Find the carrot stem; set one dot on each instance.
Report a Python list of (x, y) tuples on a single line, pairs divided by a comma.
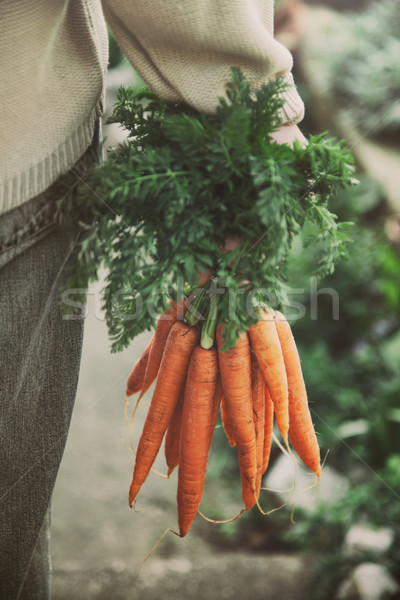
[(208, 329), (195, 311)]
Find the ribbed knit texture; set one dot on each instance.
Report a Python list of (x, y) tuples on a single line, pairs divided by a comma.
[(53, 58), (53, 61), (184, 49)]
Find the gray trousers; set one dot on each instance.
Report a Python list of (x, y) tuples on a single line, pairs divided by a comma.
[(39, 365)]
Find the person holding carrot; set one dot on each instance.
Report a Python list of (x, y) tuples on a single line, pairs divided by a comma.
[(53, 67)]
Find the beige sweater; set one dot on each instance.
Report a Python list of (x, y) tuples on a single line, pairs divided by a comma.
[(53, 63)]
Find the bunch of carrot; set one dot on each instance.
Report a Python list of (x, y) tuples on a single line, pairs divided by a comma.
[(259, 378)]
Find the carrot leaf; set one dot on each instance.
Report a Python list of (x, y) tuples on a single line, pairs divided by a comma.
[(157, 212)]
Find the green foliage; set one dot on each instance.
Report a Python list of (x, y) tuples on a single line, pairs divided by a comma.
[(364, 69), (355, 389), (164, 202), (352, 371), (115, 56), (374, 501), (363, 503)]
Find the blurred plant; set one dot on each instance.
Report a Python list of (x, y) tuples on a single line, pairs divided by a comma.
[(364, 67), (374, 502), (355, 389), (115, 55), (352, 371)]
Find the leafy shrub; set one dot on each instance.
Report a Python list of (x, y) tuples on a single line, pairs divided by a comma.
[(115, 55), (351, 364), (352, 371), (364, 67), (375, 502)]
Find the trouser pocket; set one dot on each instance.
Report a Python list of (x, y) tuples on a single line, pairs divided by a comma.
[(27, 224)]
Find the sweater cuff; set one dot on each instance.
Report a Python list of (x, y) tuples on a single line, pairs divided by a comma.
[(292, 112)]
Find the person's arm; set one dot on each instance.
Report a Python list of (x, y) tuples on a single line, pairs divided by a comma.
[(184, 49)]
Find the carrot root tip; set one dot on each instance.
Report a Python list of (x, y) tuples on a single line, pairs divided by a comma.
[(225, 520), (268, 512)]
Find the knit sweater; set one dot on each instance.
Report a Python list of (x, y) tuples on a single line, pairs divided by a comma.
[(53, 63)]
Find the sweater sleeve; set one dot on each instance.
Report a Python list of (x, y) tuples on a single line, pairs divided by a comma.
[(184, 49)]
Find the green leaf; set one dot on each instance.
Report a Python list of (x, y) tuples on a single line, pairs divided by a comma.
[(160, 208)]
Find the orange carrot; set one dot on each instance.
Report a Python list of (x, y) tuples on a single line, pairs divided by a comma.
[(172, 437), (163, 327), (258, 393), (235, 370), (267, 349), (301, 429), (136, 378), (198, 422), (268, 428), (226, 423), (181, 342)]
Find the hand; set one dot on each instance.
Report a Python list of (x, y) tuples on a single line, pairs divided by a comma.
[(287, 134)]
